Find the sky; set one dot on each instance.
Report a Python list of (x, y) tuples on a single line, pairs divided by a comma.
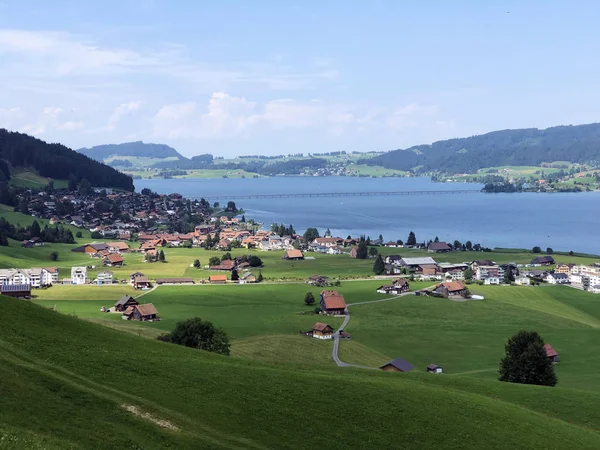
[(271, 77)]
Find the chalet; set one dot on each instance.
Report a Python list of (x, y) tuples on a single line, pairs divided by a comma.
[(248, 277), (451, 289), (434, 368), (557, 278), (327, 241), (394, 260), (16, 290), (104, 277), (551, 353), (429, 272), (175, 281), (134, 275), (322, 331), (92, 249), (217, 279), (399, 286), (542, 261), (54, 220), (438, 247), (293, 255), (225, 265), (78, 275), (118, 247), (522, 280), (125, 302), (141, 282), (33, 242), (481, 262), (144, 313), (318, 280), (397, 365), (564, 268), (333, 303), (113, 260)]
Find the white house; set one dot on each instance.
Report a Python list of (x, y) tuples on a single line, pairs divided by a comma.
[(522, 280), (557, 278), (576, 278), (334, 251), (14, 276), (455, 275), (105, 277), (49, 276), (595, 289), (491, 280), (593, 280), (78, 275)]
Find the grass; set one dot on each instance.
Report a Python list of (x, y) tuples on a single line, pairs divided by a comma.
[(30, 179), (74, 378)]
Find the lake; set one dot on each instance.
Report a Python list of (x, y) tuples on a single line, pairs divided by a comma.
[(565, 222)]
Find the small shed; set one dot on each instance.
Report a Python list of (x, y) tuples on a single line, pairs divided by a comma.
[(397, 365), (551, 353), (293, 255), (434, 368), (218, 279), (322, 331)]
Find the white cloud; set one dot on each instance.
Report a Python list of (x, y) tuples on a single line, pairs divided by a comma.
[(70, 126), (412, 116), (120, 111)]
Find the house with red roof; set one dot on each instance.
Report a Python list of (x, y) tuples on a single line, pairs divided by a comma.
[(333, 303), (551, 353)]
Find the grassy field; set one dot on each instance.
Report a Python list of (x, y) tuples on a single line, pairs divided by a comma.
[(67, 383), (30, 179)]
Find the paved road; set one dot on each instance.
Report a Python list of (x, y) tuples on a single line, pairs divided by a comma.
[(336, 335)]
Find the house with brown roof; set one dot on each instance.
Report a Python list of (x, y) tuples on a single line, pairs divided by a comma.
[(226, 264), (113, 260), (333, 303), (451, 289), (397, 365), (118, 247), (144, 313), (217, 279), (438, 247), (140, 282), (399, 286), (293, 255), (125, 302), (551, 353), (322, 331)]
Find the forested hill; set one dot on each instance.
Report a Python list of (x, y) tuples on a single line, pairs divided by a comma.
[(137, 149), (56, 161), (525, 147)]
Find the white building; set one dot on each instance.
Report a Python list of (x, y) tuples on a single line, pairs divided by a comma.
[(491, 280), (576, 278), (78, 275), (522, 281), (557, 278), (595, 289), (104, 277)]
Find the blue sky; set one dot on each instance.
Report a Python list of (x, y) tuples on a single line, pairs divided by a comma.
[(271, 77)]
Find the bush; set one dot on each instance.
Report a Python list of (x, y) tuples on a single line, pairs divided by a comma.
[(79, 234), (197, 263), (199, 334), (255, 261), (54, 256)]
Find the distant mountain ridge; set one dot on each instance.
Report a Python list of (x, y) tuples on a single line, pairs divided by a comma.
[(55, 161), (137, 149), (521, 147)]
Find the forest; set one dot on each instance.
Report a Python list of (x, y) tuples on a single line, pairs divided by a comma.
[(525, 147), (138, 148), (56, 161)]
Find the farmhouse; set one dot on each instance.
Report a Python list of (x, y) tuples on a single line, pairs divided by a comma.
[(141, 282), (217, 279), (144, 313), (118, 247), (551, 353), (225, 265), (318, 280), (16, 290), (434, 368), (113, 260), (322, 331), (33, 242), (332, 302), (399, 286), (293, 255), (175, 281), (438, 247), (78, 275), (397, 365), (543, 261), (393, 260), (248, 277), (125, 302), (451, 289)]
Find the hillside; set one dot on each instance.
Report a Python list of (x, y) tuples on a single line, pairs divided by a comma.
[(67, 383), (525, 147), (55, 161), (136, 149)]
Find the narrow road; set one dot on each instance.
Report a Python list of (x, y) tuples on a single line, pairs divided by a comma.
[(336, 335)]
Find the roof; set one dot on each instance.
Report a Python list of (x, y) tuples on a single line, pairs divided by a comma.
[(484, 262), (453, 286), (226, 264), (98, 247), (543, 259), (432, 366), (140, 279), (438, 246), (174, 280), (218, 278), (394, 257), (123, 300), (418, 261), (128, 311), (320, 326), (559, 275), (333, 300), (51, 269), (550, 352), (146, 310), (15, 287), (400, 281), (294, 254), (400, 364), (114, 258), (120, 245)]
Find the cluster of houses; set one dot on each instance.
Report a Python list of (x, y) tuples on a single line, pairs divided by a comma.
[(130, 309), (583, 276)]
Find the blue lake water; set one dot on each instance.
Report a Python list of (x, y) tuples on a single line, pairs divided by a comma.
[(568, 221)]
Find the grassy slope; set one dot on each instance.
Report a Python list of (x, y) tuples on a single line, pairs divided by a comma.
[(64, 381), (30, 179)]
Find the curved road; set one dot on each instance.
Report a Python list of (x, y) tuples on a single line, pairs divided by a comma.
[(336, 335)]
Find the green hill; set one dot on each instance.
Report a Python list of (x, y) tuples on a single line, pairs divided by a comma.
[(67, 383), (136, 149), (525, 147), (19, 151)]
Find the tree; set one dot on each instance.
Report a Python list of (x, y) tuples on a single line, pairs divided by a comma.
[(399, 242), (508, 276), (234, 275), (526, 362), (412, 239), (161, 256), (260, 277), (571, 253), (309, 299), (231, 207), (549, 250), (54, 256), (35, 229), (216, 205), (468, 274), (381, 238), (226, 256), (362, 251), (379, 265), (199, 334), (79, 234), (214, 261), (536, 249), (373, 251), (254, 261), (437, 239), (23, 209), (469, 245), (197, 263), (310, 235), (243, 218)]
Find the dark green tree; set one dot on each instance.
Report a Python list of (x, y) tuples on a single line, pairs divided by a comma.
[(197, 263), (309, 299), (469, 245), (234, 275), (35, 229), (54, 256), (362, 251), (254, 261), (379, 266), (214, 261), (199, 334), (226, 256), (468, 274), (373, 251), (508, 276), (536, 249), (549, 250), (526, 362), (260, 277), (310, 235), (79, 234), (412, 239), (243, 218), (161, 256)]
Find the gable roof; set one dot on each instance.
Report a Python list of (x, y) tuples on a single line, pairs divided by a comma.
[(418, 261), (400, 364), (333, 300), (114, 258), (453, 286), (120, 245), (146, 310), (123, 300), (543, 259), (550, 352), (320, 326), (294, 254), (438, 246), (217, 278), (484, 262)]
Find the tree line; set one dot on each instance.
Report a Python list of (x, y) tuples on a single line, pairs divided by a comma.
[(57, 234)]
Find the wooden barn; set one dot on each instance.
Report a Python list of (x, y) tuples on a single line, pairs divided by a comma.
[(322, 331), (551, 353), (333, 303), (397, 365), (125, 302), (143, 313)]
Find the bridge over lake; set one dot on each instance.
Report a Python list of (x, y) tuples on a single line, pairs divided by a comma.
[(337, 194)]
